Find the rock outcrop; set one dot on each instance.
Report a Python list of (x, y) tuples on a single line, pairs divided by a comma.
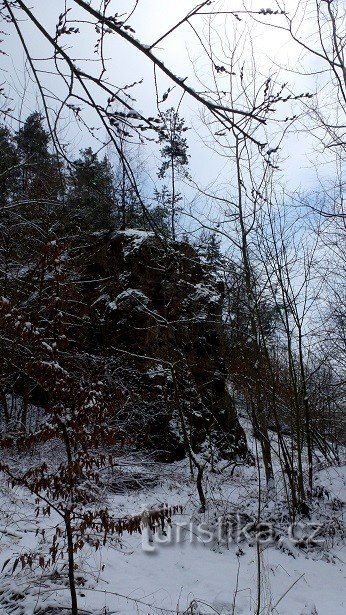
[(157, 310)]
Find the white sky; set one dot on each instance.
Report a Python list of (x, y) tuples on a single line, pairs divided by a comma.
[(272, 49)]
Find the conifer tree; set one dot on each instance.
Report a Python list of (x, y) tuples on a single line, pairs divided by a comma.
[(175, 158), (209, 248), (9, 169), (8, 165), (39, 176), (92, 198)]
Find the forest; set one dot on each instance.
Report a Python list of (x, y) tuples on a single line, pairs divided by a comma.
[(172, 307)]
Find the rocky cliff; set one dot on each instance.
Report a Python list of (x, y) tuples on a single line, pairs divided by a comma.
[(157, 310)]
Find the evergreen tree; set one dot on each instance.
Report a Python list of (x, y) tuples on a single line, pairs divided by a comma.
[(8, 180), (209, 248), (160, 211), (39, 190), (8, 165), (92, 196), (33, 140), (39, 171), (174, 158)]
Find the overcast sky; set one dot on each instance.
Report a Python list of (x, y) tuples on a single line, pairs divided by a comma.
[(183, 53)]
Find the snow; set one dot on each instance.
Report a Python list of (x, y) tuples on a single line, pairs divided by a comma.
[(205, 293), (182, 572), (159, 370), (135, 239), (47, 346), (127, 579), (136, 233), (129, 294)]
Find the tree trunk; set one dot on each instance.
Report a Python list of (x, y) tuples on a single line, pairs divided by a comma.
[(5, 406), (71, 578)]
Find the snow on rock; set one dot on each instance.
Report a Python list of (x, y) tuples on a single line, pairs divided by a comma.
[(205, 293), (132, 295), (159, 370), (134, 238)]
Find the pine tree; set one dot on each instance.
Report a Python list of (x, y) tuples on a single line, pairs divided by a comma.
[(209, 248), (36, 194), (9, 170), (91, 198), (160, 212), (40, 174), (175, 158), (8, 165)]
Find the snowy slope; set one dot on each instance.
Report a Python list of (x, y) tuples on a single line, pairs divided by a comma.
[(214, 578)]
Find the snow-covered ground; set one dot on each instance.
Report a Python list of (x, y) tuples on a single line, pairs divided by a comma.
[(180, 573)]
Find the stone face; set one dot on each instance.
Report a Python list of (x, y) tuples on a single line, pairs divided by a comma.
[(157, 311)]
